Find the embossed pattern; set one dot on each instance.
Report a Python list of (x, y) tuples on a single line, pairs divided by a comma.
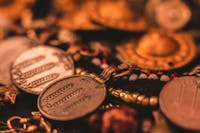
[(171, 51), (182, 96), (40, 66), (75, 97)]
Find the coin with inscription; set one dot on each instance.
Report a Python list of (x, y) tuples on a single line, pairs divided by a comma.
[(180, 102), (10, 48), (172, 14), (40, 66), (71, 98), (118, 14), (159, 50)]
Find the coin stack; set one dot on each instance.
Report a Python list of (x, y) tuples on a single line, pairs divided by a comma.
[(99, 66)]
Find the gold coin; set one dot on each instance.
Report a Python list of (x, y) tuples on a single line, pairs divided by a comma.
[(13, 8), (75, 16), (173, 14), (159, 50), (117, 14), (168, 14)]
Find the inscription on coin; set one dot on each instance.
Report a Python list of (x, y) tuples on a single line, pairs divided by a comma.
[(180, 102), (29, 62), (71, 98), (40, 66), (9, 50)]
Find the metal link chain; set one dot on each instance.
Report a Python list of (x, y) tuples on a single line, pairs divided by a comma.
[(8, 95), (115, 72), (27, 125), (194, 72)]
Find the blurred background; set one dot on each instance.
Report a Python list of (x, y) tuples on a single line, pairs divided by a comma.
[(114, 31)]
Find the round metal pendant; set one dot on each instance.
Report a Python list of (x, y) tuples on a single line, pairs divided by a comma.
[(40, 66), (71, 98), (172, 15), (179, 101), (159, 51), (117, 15), (9, 50)]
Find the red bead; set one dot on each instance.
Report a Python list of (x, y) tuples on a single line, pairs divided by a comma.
[(104, 61), (160, 73), (149, 72), (173, 75)]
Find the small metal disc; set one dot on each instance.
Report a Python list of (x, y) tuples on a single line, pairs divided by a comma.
[(117, 14), (71, 98), (172, 14), (9, 50), (159, 50), (180, 102), (40, 66)]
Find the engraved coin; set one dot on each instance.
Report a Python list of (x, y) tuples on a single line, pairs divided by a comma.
[(180, 102), (172, 15), (9, 50), (117, 14), (40, 66), (159, 50), (71, 98)]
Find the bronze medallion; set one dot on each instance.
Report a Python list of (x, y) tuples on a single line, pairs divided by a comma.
[(159, 51), (39, 67), (117, 14), (71, 98), (172, 15), (180, 102), (13, 8), (9, 50), (75, 16)]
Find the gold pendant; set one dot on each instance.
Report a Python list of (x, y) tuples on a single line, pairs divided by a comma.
[(117, 15), (159, 50)]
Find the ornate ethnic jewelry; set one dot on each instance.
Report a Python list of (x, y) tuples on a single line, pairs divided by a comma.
[(159, 50)]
